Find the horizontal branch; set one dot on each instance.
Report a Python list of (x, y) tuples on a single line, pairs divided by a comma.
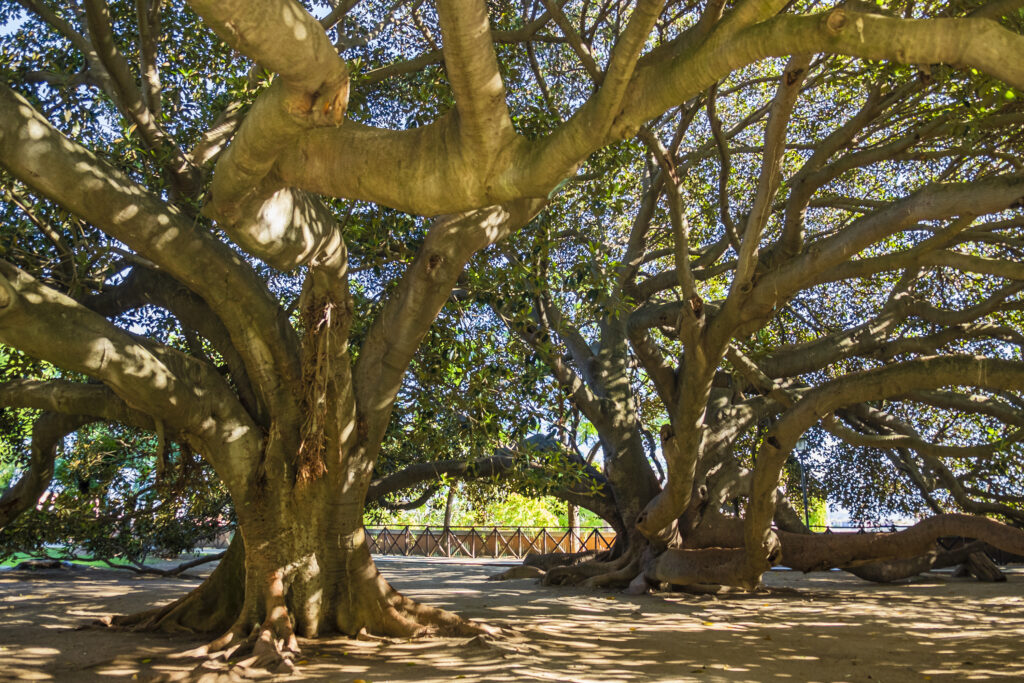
[(188, 395), (860, 387), (71, 398)]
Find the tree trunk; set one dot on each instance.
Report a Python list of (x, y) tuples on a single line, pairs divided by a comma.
[(447, 533), (633, 484), (303, 570), (573, 522)]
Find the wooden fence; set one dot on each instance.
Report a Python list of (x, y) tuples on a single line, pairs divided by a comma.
[(493, 541)]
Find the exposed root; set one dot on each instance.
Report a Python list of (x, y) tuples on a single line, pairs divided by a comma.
[(210, 608), (270, 650), (548, 561), (576, 574), (520, 571), (407, 618), (598, 573), (618, 577)]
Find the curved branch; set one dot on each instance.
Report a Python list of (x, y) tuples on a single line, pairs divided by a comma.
[(936, 201), (893, 380), (980, 43), (283, 38), (71, 398), (472, 66), (187, 394), (131, 100), (145, 286), (916, 443), (285, 227), (67, 173), (768, 184), (396, 332), (421, 472), (66, 406), (48, 432), (816, 552), (592, 492)]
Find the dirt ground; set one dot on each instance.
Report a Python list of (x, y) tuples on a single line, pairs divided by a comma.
[(818, 627)]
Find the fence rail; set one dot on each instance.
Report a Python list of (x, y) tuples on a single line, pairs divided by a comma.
[(486, 541)]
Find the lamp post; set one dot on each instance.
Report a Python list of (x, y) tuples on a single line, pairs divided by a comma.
[(801, 446)]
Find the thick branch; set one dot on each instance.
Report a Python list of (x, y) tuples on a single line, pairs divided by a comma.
[(423, 290), (817, 552), (67, 173), (187, 394), (472, 66), (860, 387)]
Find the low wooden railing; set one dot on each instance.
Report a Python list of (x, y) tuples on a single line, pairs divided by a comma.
[(489, 541)]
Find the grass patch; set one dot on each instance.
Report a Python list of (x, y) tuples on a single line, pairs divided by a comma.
[(60, 554)]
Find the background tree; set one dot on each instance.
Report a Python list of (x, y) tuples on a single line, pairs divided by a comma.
[(582, 303)]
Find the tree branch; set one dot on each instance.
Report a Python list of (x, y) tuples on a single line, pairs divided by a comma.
[(58, 168), (472, 66), (396, 332), (147, 377)]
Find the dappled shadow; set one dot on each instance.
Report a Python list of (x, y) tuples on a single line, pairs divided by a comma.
[(818, 627), (46, 617)]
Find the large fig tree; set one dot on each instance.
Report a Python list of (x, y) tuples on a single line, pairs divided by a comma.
[(160, 168)]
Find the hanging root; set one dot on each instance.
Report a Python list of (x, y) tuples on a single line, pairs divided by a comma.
[(320, 319)]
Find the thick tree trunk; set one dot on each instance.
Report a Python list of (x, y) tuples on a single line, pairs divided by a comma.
[(210, 608), (304, 570)]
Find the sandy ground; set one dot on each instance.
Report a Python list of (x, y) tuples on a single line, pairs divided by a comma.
[(819, 627)]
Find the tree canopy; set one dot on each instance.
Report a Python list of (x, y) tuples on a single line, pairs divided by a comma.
[(334, 250)]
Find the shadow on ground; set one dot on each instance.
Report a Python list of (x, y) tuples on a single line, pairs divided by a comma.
[(818, 627)]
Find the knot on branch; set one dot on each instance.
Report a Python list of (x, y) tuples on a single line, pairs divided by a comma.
[(836, 21), (434, 262), (330, 104), (324, 107)]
